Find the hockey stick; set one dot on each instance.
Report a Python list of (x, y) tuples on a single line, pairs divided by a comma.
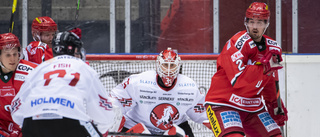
[(74, 25), (139, 135), (14, 6), (279, 110), (77, 13)]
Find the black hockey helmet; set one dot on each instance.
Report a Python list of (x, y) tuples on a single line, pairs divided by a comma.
[(65, 43)]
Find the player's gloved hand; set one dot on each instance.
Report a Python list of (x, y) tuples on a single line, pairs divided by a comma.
[(4, 134), (207, 124), (139, 128), (271, 60), (279, 116), (16, 131), (77, 31), (175, 130)]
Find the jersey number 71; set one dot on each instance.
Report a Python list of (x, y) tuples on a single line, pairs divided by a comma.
[(61, 74)]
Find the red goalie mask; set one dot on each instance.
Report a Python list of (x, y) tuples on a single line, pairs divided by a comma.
[(168, 66)]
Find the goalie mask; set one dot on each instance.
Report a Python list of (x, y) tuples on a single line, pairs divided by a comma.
[(67, 43), (168, 66)]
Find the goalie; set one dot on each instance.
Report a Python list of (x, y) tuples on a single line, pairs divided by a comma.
[(160, 101)]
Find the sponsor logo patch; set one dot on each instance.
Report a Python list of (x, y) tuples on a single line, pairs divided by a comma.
[(213, 121), (267, 121), (235, 56), (126, 101), (252, 44), (231, 119), (240, 42), (7, 92), (246, 102), (272, 42), (24, 68)]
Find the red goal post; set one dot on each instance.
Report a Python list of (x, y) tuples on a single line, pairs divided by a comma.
[(113, 69)]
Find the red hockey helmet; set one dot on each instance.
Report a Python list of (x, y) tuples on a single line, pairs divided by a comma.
[(8, 41), (41, 24), (168, 66), (258, 10)]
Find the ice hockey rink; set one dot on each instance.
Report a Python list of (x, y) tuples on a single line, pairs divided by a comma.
[(123, 37)]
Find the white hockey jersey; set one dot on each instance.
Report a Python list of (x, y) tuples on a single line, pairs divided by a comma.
[(64, 86), (144, 101)]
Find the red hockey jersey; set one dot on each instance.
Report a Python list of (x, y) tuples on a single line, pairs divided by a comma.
[(9, 87), (38, 52), (238, 82)]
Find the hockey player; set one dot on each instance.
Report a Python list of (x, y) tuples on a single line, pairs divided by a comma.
[(246, 70), (12, 74), (43, 30), (161, 99), (64, 97)]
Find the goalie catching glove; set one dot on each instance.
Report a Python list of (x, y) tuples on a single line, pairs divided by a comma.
[(271, 60), (279, 116)]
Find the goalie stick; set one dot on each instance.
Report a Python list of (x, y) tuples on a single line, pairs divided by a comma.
[(14, 7)]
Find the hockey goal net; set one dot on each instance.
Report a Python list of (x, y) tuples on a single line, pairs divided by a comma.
[(114, 68)]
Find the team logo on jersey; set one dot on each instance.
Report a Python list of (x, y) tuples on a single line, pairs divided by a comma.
[(104, 103), (7, 92), (126, 102), (15, 105), (163, 115), (199, 108)]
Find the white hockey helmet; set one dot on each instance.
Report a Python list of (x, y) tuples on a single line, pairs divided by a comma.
[(168, 66)]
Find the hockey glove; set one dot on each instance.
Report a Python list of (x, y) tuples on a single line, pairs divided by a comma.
[(175, 130), (279, 115), (271, 61)]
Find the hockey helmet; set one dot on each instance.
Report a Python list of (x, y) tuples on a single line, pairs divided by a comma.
[(41, 24), (258, 10), (9, 41), (168, 66), (65, 43)]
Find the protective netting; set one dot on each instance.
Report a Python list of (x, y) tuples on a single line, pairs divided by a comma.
[(112, 72)]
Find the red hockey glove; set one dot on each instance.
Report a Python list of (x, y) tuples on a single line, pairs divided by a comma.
[(16, 131), (4, 134), (271, 60), (279, 116), (77, 31)]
